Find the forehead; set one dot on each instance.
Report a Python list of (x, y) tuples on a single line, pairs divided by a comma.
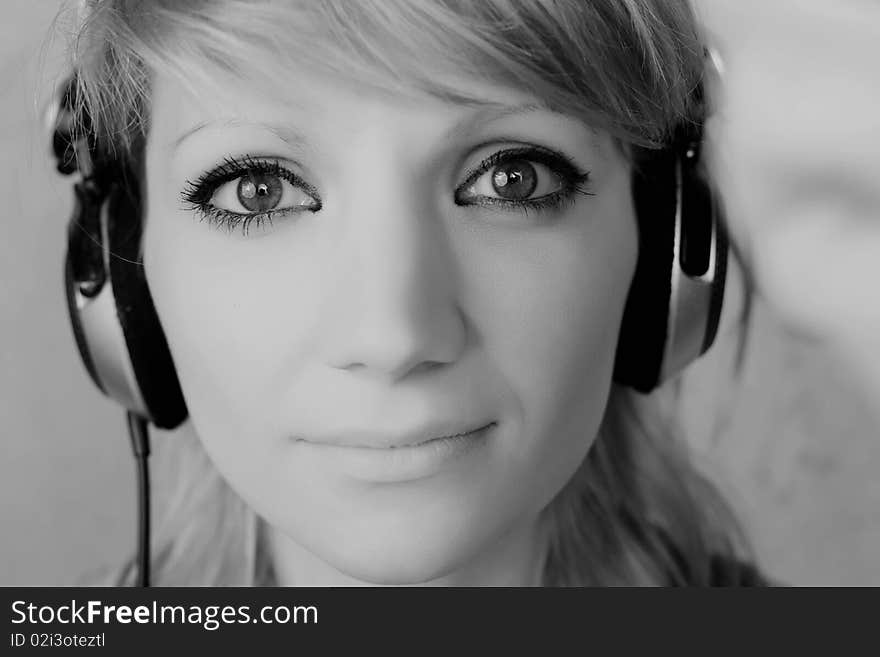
[(301, 106)]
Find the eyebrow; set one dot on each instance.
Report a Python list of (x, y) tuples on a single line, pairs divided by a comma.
[(282, 131), (493, 111), (489, 111)]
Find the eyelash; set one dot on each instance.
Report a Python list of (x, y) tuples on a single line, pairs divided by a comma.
[(198, 193)]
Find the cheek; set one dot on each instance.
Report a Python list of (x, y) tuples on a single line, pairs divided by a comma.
[(563, 321), (549, 313), (235, 324)]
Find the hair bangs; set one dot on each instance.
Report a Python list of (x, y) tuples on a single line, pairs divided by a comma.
[(615, 65)]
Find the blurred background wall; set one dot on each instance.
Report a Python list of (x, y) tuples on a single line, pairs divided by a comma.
[(791, 442)]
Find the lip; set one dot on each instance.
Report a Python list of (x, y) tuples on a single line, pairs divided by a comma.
[(430, 432), (397, 463)]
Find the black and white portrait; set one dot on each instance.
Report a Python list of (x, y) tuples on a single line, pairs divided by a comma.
[(552, 293)]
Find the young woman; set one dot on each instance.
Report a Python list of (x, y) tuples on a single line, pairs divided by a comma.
[(390, 245)]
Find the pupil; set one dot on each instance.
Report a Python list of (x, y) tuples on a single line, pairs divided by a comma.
[(259, 192), (515, 180)]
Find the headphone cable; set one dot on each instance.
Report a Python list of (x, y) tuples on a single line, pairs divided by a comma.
[(140, 445)]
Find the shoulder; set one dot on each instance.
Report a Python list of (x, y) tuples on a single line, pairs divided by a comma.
[(729, 571)]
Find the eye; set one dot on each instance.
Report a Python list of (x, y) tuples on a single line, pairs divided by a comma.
[(258, 192), (524, 177), (517, 180), (249, 192)]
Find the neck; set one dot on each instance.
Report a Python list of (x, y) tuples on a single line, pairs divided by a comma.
[(516, 559)]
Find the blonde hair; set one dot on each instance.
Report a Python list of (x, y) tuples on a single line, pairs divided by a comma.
[(636, 511)]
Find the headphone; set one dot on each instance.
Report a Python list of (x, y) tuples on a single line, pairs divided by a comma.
[(114, 322), (674, 305), (670, 318)]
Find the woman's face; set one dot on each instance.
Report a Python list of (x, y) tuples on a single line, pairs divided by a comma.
[(410, 269)]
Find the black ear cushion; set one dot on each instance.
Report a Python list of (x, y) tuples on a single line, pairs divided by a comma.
[(642, 340), (147, 346)]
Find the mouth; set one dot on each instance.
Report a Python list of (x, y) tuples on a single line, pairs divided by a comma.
[(400, 461), (428, 441), (361, 439)]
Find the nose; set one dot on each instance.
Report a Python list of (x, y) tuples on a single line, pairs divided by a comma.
[(394, 310)]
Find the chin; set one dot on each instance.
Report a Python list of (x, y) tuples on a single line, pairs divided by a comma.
[(398, 563), (401, 554), (392, 574)]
